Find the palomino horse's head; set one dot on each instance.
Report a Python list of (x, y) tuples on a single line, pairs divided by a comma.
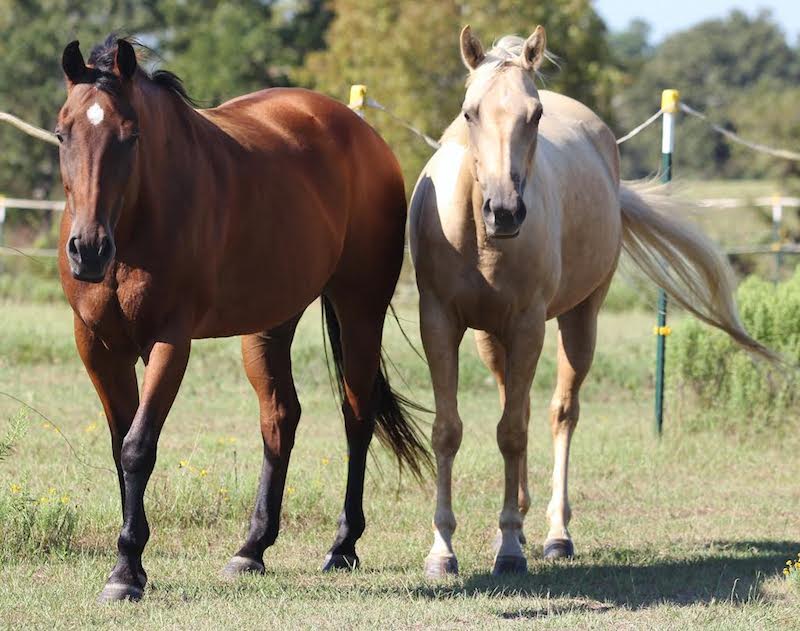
[(502, 110), (98, 129)]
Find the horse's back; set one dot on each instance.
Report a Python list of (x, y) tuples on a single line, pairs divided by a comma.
[(315, 192)]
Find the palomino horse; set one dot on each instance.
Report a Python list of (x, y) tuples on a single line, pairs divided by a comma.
[(187, 224), (519, 217)]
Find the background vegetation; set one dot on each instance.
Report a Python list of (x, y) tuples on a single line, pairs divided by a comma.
[(406, 52)]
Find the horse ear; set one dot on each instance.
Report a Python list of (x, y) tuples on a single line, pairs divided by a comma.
[(72, 62), (471, 49), (125, 59), (533, 49)]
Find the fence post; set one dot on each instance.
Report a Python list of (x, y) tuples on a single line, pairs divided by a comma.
[(2, 222), (358, 98), (2, 216), (669, 105), (777, 217)]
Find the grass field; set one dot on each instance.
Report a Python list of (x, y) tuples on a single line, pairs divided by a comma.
[(691, 531)]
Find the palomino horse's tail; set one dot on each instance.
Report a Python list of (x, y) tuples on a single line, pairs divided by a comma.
[(681, 260), (395, 425)]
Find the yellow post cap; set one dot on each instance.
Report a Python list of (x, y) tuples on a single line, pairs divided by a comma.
[(670, 100), (357, 95)]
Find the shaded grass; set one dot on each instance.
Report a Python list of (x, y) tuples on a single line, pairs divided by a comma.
[(690, 531)]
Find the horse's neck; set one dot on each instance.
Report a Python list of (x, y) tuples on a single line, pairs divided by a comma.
[(175, 139)]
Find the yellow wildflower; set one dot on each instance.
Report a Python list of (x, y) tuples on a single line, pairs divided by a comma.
[(325, 461), (15, 488), (51, 490), (289, 490), (65, 499), (223, 490), (203, 473), (183, 464), (44, 499), (90, 427)]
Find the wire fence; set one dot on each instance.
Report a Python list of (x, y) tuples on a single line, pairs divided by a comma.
[(359, 102)]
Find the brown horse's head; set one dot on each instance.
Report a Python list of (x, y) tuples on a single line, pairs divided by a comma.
[(98, 131), (502, 110)]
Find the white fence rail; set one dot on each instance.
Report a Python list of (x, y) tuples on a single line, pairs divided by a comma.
[(777, 203)]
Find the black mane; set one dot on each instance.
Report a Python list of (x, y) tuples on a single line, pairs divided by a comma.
[(103, 77)]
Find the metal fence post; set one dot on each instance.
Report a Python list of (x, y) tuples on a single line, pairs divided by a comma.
[(777, 217), (669, 105)]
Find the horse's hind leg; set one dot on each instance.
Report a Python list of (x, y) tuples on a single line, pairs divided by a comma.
[(360, 330), (577, 333), (268, 363), (494, 357)]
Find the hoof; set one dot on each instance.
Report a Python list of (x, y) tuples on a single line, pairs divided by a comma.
[(340, 562), (437, 567), (242, 565), (555, 549), (506, 564), (498, 541), (116, 592)]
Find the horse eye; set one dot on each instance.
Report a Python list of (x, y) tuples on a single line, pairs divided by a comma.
[(537, 114), (60, 138), (467, 117)]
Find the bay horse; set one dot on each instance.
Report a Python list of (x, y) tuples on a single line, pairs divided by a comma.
[(518, 218), (185, 224)]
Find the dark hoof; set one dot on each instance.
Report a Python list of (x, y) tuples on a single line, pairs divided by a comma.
[(115, 592), (498, 541), (340, 562), (506, 564), (555, 549), (242, 565), (437, 567)]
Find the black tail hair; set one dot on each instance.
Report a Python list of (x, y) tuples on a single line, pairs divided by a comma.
[(395, 425)]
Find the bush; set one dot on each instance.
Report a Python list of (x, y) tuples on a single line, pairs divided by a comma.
[(731, 386)]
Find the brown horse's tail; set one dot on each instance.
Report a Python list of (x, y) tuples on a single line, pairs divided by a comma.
[(681, 260), (395, 425)]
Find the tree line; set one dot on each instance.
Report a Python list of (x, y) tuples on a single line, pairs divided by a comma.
[(738, 68)]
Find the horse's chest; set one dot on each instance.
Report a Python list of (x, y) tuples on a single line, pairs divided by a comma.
[(123, 317)]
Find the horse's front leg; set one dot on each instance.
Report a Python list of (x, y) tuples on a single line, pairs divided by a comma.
[(165, 367), (441, 335), (114, 377), (523, 342)]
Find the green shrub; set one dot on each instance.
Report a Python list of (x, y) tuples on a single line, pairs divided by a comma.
[(729, 384), (35, 523)]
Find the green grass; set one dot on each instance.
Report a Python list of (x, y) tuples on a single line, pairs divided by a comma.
[(691, 531)]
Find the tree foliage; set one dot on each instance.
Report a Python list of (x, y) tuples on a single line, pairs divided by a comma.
[(221, 49), (407, 53), (711, 64), (739, 69)]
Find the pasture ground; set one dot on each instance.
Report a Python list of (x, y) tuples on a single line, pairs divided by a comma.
[(691, 531)]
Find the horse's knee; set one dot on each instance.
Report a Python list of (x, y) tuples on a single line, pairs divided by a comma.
[(512, 436), (138, 454), (564, 411), (278, 427), (447, 434)]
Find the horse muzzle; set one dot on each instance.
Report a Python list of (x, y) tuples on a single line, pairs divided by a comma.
[(501, 221), (89, 258)]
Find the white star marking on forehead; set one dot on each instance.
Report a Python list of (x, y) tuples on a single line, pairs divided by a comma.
[(95, 114)]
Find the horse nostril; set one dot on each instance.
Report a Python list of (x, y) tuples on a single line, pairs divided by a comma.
[(105, 248), (72, 248)]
